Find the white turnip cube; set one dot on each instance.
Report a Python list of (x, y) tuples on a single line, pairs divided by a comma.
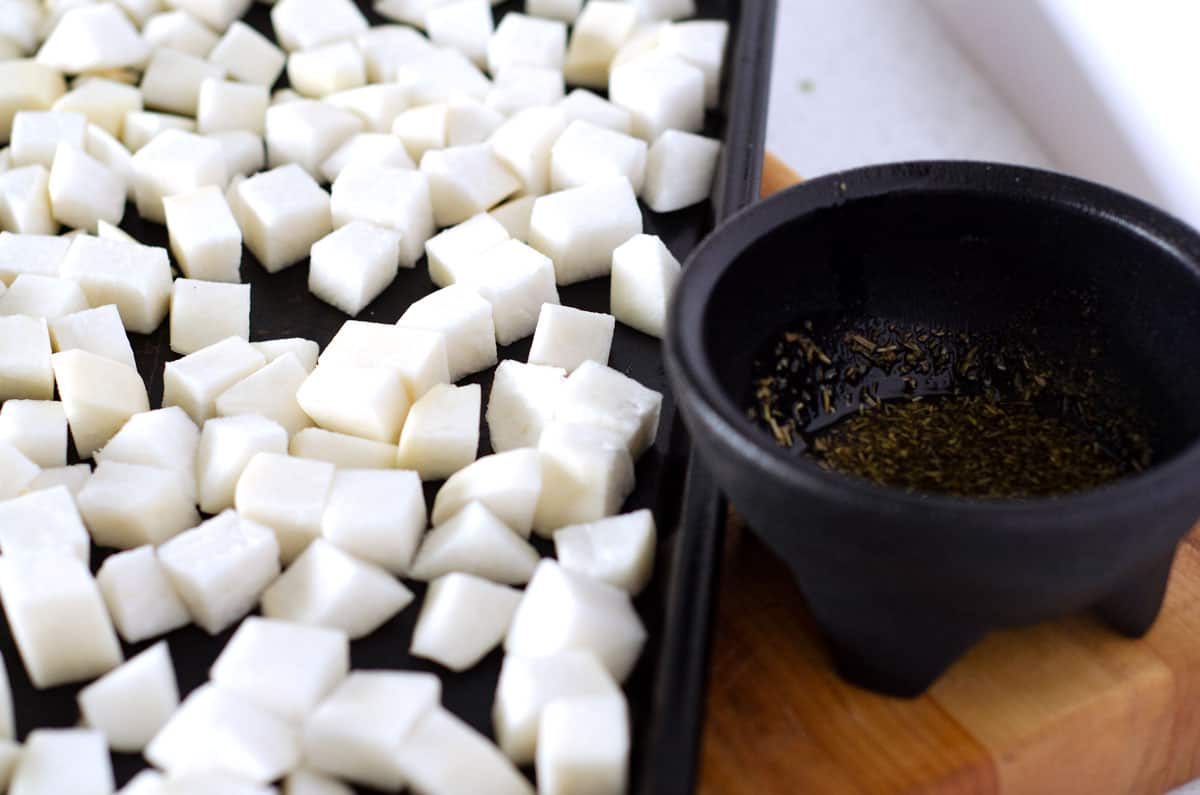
[(204, 313), (38, 428), (518, 87), (131, 703), (284, 668), (423, 128), (441, 433), (306, 782), (465, 318), (411, 12), (17, 470), (306, 351), (572, 758), (226, 446), (180, 31), (370, 402), (462, 619), (587, 473), (164, 438), (565, 10), (516, 280), (283, 212), (71, 477), (220, 568), (286, 494), (37, 254), (388, 196), (380, 149), (679, 171), (207, 783), (444, 75), (134, 277), (140, 597), (84, 191), (106, 149), (599, 32), (644, 39), (351, 266), (215, 731), (528, 684), (25, 201), (513, 215), (602, 396), (664, 9), (583, 105), (567, 337), (128, 505), (196, 381), (217, 14), (474, 541), (143, 126), (42, 521), (107, 231), (644, 275), (700, 42), (662, 91), (565, 227), (419, 356), (248, 56), (618, 550), (444, 754), (527, 41), (42, 296), (172, 81), (64, 760), (376, 515), (327, 69), (304, 24), (508, 484), (342, 450), (563, 611), (37, 134), (306, 132), (270, 393), (377, 105), (245, 152), (465, 181), (222, 106), (94, 415), (204, 235), (25, 358), (523, 400), (147, 782), (469, 121), (26, 84), (175, 162), (389, 47), (452, 250), (327, 587), (587, 153), (465, 25), (50, 596), (355, 732)]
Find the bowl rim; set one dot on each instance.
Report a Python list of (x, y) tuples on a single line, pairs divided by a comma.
[(697, 385)]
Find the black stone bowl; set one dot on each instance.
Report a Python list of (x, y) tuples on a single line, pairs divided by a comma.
[(902, 583)]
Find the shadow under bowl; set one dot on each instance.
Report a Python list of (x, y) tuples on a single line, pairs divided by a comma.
[(901, 583)]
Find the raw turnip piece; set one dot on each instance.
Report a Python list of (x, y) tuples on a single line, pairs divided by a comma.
[(327, 69), (522, 402), (527, 41), (25, 201), (412, 12), (270, 393), (463, 618), (376, 515), (567, 337), (583, 105), (587, 473), (474, 541), (25, 358), (217, 14), (245, 153), (453, 250), (284, 96), (465, 318), (71, 477), (38, 428), (94, 414), (444, 754), (58, 761), (248, 56), (664, 9), (286, 494), (223, 106), (140, 598), (565, 227), (469, 121), (112, 153), (330, 588), (215, 731), (662, 92), (564, 10), (603, 396), (644, 275), (514, 215), (306, 132), (131, 703), (46, 297), (26, 85), (106, 231), (595, 761), (175, 162), (284, 668), (204, 235), (508, 484), (282, 213), (306, 351), (700, 42), (91, 38), (42, 521), (172, 81), (528, 684), (599, 32), (441, 433), (204, 313), (422, 128), (37, 254), (210, 783), (465, 25), (679, 171), (306, 782), (465, 181), (587, 153), (304, 24), (128, 505), (378, 148), (84, 191), (16, 471), (389, 47), (134, 277), (618, 550), (370, 402), (518, 87), (342, 450), (442, 77), (353, 265), (516, 280), (355, 732), (164, 438), (562, 611), (37, 134), (418, 355), (387, 196), (225, 448), (377, 105), (141, 127), (196, 381), (179, 30), (220, 568), (51, 596), (147, 782)]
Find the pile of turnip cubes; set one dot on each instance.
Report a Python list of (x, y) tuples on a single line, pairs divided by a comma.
[(278, 491)]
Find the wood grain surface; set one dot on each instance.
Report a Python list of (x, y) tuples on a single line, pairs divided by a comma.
[(1061, 708)]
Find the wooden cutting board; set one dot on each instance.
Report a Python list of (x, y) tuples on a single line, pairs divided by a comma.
[(1061, 708)]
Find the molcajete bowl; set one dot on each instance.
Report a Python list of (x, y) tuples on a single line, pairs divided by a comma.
[(902, 584)]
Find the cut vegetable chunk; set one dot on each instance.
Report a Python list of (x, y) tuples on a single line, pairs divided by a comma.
[(441, 433), (516, 280), (25, 370), (465, 181), (523, 144), (582, 104), (599, 32), (16, 471), (518, 87), (39, 254), (71, 477), (136, 278), (387, 196), (375, 147), (465, 319), (26, 85), (587, 473), (42, 296), (422, 128), (271, 393), (95, 415), (679, 170), (327, 69), (175, 162), (204, 313), (128, 505), (644, 277), (418, 355), (566, 337), (564, 10), (225, 447), (25, 201), (568, 761), (204, 235), (112, 153), (306, 132), (38, 428), (662, 91), (465, 25), (527, 41), (587, 153), (376, 515), (378, 106), (463, 618), (618, 550), (306, 782), (508, 484), (522, 403), (196, 381), (342, 450), (370, 402), (444, 754), (179, 30), (700, 42), (453, 250), (147, 782), (283, 212), (141, 127), (37, 134), (245, 152), (84, 191), (249, 56), (217, 14), (606, 397), (306, 351), (42, 521), (664, 9), (90, 37), (56, 761), (209, 783), (164, 438), (140, 598), (172, 81), (130, 704), (286, 494), (565, 227), (514, 217), (474, 541), (304, 24), (352, 266)]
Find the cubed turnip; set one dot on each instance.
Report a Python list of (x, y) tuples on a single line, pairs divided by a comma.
[(527, 41), (286, 494), (306, 782), (523, 400), (38, 428), (270, 393), (377, 105), (465, 181), (441, 433), (387, 48), (25, 369), (134, 277), (306, 132), (444, 754), (453, 250), (342, 450), (517, 280), (422, 128), (196, 381), (379, 148), (508, 484), (462, 618), (140, 598), (143, 126), (353, 265), (282, 213), (42, 520), (443, 76), (130, 704), (37, 254), (564, 10), (71, 477), (16, 471), (107, 149), (587, 473), (465, 25), (662, 91), (304, 24), (175, 162), (223, 106), (465, 318), (583, 105), (599, 395), (596, 761), (226, 445), (327, 69), (602, 27), (26, 84), (523, 144), (46, 297), (84, 191), (147, 782), (567, 337), (519, 87), (57, 761), (204, 313), (419, 356), (370, 402), (94, 414), (305, 350), (587, 153), (565, 227), (700, 42), (644, 274), (217, 14), (387, 196), (664, 9), (164, 438), (25, 201), (679, 170), (245, 153), (37, 134), (618, 550), (179, 30), (128, 505), (513, 215), (172, 80), (474, 541), (249, 56), (377, 515)]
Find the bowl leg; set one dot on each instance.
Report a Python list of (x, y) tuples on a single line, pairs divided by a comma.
[(1132, 607)]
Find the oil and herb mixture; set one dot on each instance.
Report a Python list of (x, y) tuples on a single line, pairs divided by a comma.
[(942, 411)]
